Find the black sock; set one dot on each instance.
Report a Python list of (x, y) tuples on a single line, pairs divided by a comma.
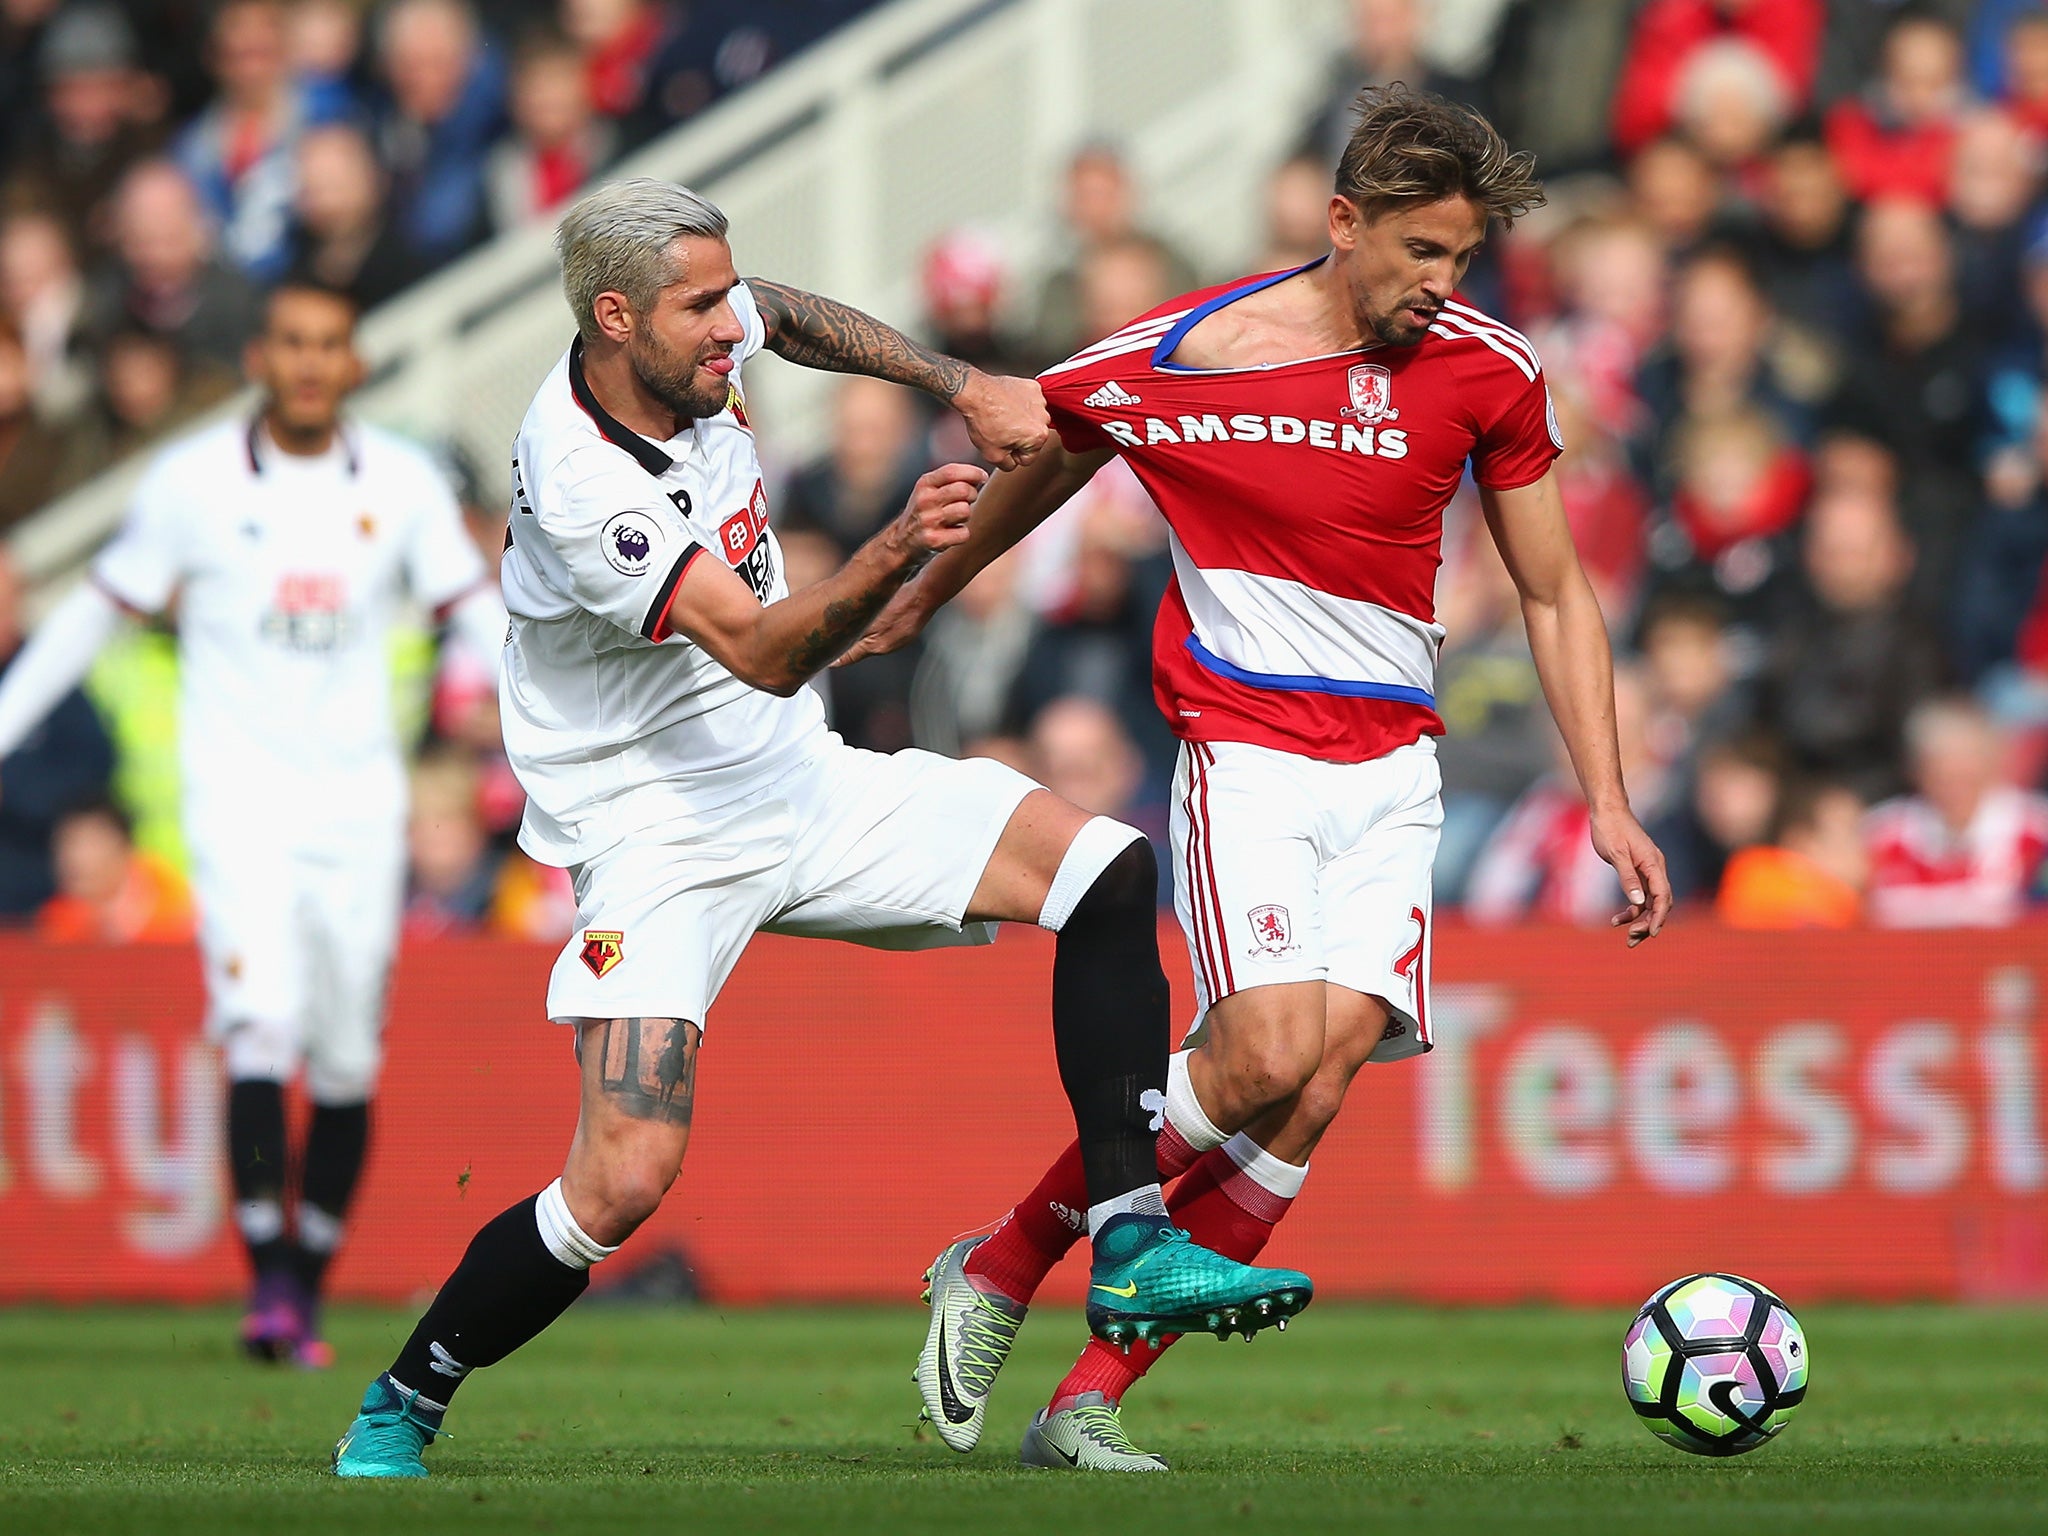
[(335, 1145), (1110, 1021), (256, 1155), (507, 1288)]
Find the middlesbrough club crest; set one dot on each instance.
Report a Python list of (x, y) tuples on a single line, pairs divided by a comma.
[(1372, 394), (1272, 933)]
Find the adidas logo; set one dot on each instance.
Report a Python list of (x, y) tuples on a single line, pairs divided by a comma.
[(1110, 394)]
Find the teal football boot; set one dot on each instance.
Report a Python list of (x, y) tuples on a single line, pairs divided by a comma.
[(1150, 1280), (388, 1435)]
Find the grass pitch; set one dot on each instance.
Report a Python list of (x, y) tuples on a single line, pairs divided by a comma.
[(1359, 1419)]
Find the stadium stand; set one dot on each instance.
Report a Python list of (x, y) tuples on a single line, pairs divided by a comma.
[(1791, 292)]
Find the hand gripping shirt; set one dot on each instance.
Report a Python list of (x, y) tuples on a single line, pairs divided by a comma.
[(1305, 502)]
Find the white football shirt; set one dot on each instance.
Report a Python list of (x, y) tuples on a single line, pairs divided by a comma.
[(286, 576), (611, 720)]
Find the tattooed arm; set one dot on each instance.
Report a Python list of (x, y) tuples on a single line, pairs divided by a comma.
[(1005, 417), (781, 646)]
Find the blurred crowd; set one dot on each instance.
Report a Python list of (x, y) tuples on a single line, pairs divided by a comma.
[(1791, 293), (161, 161)]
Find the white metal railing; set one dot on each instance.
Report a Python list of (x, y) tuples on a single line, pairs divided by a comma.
[(838, 170)]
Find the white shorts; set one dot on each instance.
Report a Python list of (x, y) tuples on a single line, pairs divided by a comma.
[(297, 945), (880, 849), (1291, 869)]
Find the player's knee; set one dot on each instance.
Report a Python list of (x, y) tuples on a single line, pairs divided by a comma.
[(633, 1199), (1272, 1071), (1351, 1036), (259, 1050), (348, 1079), (1349, 1039), (1316, 1106), (625, 1194)]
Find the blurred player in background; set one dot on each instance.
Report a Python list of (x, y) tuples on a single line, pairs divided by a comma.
[(284, 544), (677, 766), (1302, 433)]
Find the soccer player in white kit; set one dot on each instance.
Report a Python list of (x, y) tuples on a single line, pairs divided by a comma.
[(284, 544), (655, 711), (1302, 432)]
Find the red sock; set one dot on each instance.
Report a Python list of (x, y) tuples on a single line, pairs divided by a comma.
[(1051, 1219), (1223, 1209)]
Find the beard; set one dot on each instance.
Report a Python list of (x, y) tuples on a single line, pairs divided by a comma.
[(672, 378), (1398, 329)]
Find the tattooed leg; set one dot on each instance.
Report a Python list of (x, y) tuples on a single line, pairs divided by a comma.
[(639, 1091), (647, 1067)]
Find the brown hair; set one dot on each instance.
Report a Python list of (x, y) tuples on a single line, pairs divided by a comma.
[(1800, 802), (1412, 147)]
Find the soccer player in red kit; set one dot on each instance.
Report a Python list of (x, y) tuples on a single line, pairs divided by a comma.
[(1302, 433)]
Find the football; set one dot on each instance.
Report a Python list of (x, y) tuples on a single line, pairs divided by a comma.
[(1714, 1364)]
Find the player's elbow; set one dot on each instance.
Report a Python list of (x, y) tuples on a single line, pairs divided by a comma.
[(769, 675)]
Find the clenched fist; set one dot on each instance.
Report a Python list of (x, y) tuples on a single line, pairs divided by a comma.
[(1005, 417), (935, 517)]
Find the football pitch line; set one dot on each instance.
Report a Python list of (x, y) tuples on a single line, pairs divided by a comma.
[(1362, 1418)]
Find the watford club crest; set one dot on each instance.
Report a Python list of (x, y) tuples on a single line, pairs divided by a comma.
[(602, 950)]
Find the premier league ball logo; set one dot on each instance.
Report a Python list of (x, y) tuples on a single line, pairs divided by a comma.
[(1372, 394), (628, 542)]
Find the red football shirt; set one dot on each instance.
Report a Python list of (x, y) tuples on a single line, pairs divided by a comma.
[(1305, 502)]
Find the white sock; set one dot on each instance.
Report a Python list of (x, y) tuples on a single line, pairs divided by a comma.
[(319, 1231), (1263, 1168), (565, 1240), (1146, 1200), (416, 1398), (259, 1221), (1094, 848), (1184, 1111)]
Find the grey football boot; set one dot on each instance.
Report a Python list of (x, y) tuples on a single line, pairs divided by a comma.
[(1085, 1436), (969, 1339)]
